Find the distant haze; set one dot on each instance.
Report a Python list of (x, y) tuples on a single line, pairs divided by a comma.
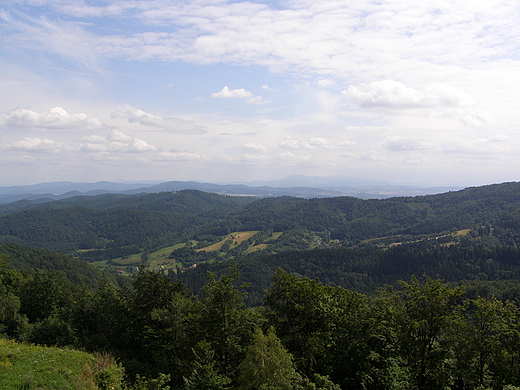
[(298, 186)]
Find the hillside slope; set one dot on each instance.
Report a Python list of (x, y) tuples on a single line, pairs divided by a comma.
[(74, 270), (24, 366), (110, 226)]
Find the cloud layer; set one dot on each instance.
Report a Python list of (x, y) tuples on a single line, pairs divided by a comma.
[(55, 119), (227, 90)]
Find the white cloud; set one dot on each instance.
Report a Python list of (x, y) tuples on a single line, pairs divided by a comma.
[(477, 147), (329, 38), (372, 157), (257, 100), (69, 39), (116, 142), (118, 136), (175, 155), (55, 119), (500, 138), (291, 157), (252, 157), (290, 143), (325, 83), (254, 147), (240, 93), (480, 118), (410, 67), (396, 95), (347, 143), (227, 93), (167, 123), (397, 144), (319, 142), (29, 144)]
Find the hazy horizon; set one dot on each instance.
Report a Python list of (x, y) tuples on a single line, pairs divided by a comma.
[(223, 91)]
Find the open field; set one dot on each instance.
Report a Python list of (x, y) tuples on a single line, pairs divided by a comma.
[(155, 259), (274, 237), (391, 241), (236, 239)]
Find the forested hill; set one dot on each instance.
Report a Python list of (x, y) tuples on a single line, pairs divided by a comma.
[(110, 226), (32, 260), (341, 331), (187, 201)]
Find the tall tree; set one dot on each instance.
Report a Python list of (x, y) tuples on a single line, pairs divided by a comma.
[(322, 326), (267, 365), (485, 339), (205, 373), (422, 315), (224, 320)]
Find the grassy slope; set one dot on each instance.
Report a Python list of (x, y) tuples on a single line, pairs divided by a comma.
[(24, 366)]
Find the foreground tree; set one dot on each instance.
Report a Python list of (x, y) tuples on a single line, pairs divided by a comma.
[(485, 340), (268, 365), (205, 374), (422, 314), (225, 322), (323, 327)]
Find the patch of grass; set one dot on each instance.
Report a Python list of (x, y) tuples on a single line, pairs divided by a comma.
[(100, 264), (257, 248), (240, 237), (25, 366), (236, 239), (461, 233), (274, 237), (130, 260), (161, 257), (30, 367)]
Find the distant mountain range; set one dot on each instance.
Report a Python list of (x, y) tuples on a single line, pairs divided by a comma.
[(297, 185)]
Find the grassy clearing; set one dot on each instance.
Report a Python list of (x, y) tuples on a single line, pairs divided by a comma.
[(24, 366), (130, 260), (462, 233), (155, 259), (236, 239), (160, 257), (274, 237), (257, 248)]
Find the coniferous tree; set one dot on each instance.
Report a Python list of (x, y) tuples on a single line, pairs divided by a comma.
[(205, 374)]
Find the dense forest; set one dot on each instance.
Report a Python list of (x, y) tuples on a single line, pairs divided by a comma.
[(423, 334), (275, 293), (110, 226)]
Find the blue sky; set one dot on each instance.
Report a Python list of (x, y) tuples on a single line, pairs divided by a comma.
[(221, 91)]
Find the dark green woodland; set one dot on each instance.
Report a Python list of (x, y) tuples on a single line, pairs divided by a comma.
[(275, 293)]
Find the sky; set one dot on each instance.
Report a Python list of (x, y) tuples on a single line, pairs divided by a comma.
[(405, 91)]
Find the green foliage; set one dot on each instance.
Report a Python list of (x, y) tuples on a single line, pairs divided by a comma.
[(50, 331), (109, 226), (422, 314), (486, 340), (321, 382), (224, 321), (322, 326), (74, 270), (423, 335), (317, 333), (205, 374), (267, 365), (368, 268), (159, 383), (108, 374)]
